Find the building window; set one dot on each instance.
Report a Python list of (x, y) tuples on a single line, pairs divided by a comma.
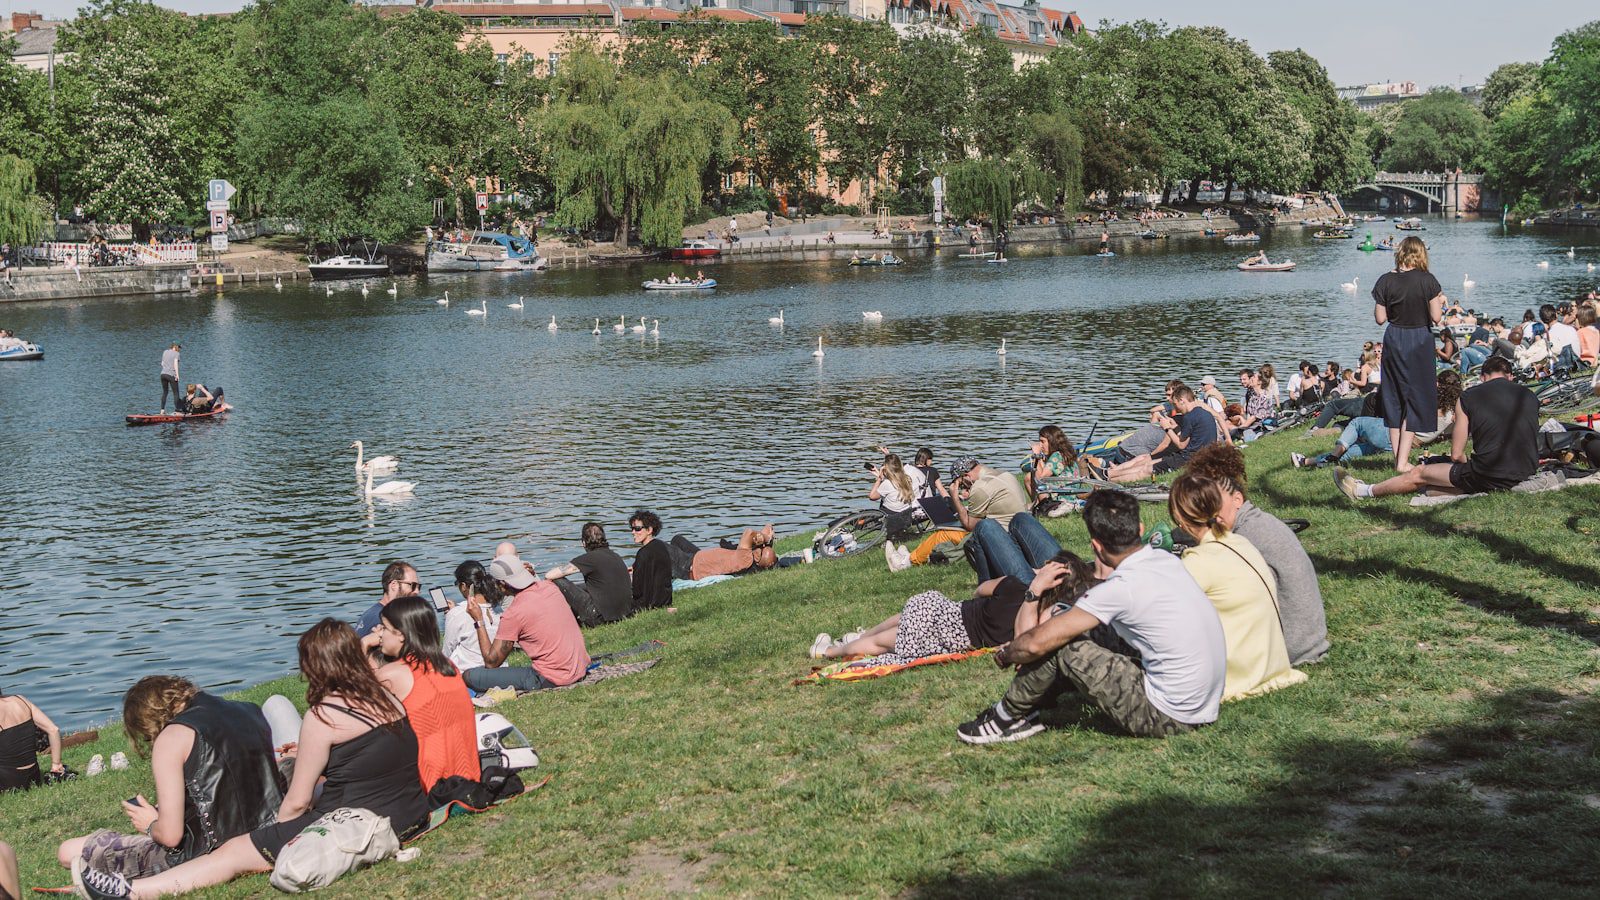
[(555, 60), (729, 181), (991, 21), (750, 179)]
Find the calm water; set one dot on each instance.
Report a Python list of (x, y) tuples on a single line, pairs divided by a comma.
[(206, 549)]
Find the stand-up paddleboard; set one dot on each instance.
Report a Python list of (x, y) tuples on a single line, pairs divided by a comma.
[(170, 418)]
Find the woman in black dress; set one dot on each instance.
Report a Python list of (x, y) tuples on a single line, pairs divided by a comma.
[(1410, 301)]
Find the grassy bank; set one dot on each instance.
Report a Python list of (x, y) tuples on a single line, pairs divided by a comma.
[(1447, 745)]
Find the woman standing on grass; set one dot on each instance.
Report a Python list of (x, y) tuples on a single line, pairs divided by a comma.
[(355, 733), (1410, 302)]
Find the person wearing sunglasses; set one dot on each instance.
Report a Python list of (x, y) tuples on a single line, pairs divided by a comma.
[(652, 565), (399, 580)]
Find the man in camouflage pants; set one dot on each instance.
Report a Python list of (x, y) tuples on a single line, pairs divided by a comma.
[(1145, 645)]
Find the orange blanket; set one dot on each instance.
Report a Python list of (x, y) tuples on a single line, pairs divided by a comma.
[(861, 669)]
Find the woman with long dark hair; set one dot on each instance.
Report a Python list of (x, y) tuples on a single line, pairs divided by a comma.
[(1410, 302), (460, 638), (355, 733), (431, 689)]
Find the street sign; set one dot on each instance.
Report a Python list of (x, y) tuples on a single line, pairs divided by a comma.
[(219, 221), (214, 205), (483, 202), (219, 190), (219, 243), (938, 200)]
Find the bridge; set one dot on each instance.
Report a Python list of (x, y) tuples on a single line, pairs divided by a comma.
[(1438, 191)]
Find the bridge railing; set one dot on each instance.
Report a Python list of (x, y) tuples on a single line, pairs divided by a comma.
[(1426, 178)]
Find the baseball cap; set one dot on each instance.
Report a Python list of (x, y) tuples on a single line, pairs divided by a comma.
[(1209, 380), (510, 570), (962, 466)]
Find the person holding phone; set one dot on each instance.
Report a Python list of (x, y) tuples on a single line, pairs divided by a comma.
[(215, 772), (481, 592)]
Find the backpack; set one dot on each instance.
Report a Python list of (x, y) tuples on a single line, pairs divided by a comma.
[(336, 844), (1573, 442)]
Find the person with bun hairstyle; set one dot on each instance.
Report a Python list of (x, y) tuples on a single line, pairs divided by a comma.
[(1304, 619), (460, 644), (215, 772), (1410, 302), (21, 723), (1239, 583)]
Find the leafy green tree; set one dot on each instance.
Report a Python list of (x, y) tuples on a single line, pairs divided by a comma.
[(628, 149), (1507, 83), (928, 91), (1572, 77), (991, 113), (1437, 132), (1054, 147), (852, 63), (1520, 155), (981, 188), (22, 106), (1337, 157), (23, 214)]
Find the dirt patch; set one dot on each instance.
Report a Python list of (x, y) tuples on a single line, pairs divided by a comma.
[(655, 869)]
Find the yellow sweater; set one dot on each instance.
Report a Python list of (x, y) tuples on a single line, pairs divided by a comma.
[(1241, 586)]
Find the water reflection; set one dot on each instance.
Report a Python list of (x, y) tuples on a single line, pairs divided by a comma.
[(204, 549)]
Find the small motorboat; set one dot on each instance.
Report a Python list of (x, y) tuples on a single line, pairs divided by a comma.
[(688, 284), (486, 251), (21, 351), (887, 259), (1210, 232), (174, 418), (1331, 235), (1150, 234), (1285, 266), (1241, 238), (695, 250), (1411, 224), (346, 266)]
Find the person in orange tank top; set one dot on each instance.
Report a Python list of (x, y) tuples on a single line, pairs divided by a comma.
[(430, 688)]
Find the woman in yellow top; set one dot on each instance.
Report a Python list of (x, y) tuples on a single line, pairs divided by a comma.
[(1239, 584)]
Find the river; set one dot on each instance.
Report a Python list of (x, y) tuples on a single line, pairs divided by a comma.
[(206, 549)]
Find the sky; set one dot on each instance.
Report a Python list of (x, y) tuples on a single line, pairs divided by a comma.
[(1430, 43)]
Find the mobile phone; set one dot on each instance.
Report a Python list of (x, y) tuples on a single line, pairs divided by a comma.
[(134, 800), (437, 596), (870, 467)]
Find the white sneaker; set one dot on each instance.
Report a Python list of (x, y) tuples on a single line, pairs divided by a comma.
[(822, 643), (1298, 460), (119, 760), (849, 636), (899, 558), (97, 764)]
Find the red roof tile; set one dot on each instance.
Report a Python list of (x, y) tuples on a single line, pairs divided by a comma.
[(657, 14), (526, 10)]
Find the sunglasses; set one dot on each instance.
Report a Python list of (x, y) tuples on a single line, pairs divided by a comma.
[(637, 528)]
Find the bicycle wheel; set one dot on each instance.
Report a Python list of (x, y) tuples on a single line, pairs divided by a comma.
[(851, 534)]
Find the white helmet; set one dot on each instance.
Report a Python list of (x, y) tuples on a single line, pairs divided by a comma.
[(500, 743)]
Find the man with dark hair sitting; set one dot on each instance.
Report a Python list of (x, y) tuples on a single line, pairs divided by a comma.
[(1191, 428), (399, 580), (1500, 417), (1145, 645), (606, 594)]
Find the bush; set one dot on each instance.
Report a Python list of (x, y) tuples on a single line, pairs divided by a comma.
[(1526, 206), (750, 198)]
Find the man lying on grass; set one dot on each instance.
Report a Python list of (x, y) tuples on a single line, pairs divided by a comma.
[(1145, 645), (1501, 418)]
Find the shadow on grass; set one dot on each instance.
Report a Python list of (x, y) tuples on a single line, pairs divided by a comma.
[(1500, 803)]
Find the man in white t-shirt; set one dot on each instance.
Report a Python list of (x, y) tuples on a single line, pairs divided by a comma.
[(1147, 605), (1561, 333)]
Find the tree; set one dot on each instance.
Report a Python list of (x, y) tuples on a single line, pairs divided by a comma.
[(1507, 83), (1437, 132), (1519, 155), (1572, 77), (928, 89), (1054, 148), (1337, 157), (628, 148), (852, 63), (981, 188), (23, 214)]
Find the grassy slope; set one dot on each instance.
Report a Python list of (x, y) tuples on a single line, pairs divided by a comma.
[(1446, 745)]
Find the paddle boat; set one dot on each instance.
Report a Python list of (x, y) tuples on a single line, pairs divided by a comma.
[(177, 417), (887, 259), (1248, 238), (1285, 266), (21, 351), (1150, 234), (1331, 235), (695, 249), (1411, 224), (687, 284)]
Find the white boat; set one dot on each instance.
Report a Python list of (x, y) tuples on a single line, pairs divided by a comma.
[(1285, 266), (346, 266), (20, 351), (688, 284), (485, 251)]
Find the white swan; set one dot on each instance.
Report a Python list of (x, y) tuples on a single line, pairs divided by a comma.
[(1351, 285), (1543, 264), (381, 464), (329, 289), (777, 319), (388, 488), (639, 328), (655, 326), (516, 305), (1572, 252), (553, 326), (277, 283), (873, 316), (1467, 283), (364, 291), (1591, 267), (394, 289), (480, 312), (621, 326), (445, 300), (596, 327), (818, 352), (1002, 350)]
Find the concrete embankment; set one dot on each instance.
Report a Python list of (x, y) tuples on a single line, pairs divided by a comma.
[(64, 283)]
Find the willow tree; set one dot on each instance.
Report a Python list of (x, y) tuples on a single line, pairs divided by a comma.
[(628, 149), (981, 187), (23, 216)]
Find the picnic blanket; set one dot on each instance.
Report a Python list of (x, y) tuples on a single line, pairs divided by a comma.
[(684, 584), (882, 666), (1537, 483), (598, 674)]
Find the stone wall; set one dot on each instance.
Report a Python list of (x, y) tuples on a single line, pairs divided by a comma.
[(61, 283)]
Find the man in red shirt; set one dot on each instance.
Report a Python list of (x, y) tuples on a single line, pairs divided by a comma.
[(538, 621)]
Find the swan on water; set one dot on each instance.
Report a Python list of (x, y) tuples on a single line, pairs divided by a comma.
[(553, 326), (329, 289), (516, 305), (1002, 350), (818, 352), (596, 327), (1543, 264), (655, 326), (1467, 283), (873, 316), (394, 289), (777, 319), (277, 283), (639, 328), (388, 488), (621, 326), (1351, 285), (364, 290), (381, 464), (1591, 267), (480, 312), (445, 300), (1572, 252)]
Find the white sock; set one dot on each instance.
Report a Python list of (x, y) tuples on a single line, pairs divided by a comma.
[(1000, 711), (1363, 489)]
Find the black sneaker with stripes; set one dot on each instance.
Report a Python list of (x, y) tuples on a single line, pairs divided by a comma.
[(989, 728)]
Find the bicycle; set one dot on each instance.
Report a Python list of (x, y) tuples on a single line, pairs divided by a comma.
[(1571, 394), (864, 530)]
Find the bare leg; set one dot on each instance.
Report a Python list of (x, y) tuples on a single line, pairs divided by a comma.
[(1136, 469), (234, 858), (10, 883), (70, 850), (870, 644), (1402, 448), (1434, 477)]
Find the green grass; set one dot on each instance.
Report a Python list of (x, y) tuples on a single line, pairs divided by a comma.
[(1446, 746)]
